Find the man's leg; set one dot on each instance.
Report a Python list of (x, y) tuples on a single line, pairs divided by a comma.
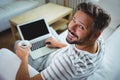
[(39, 63)]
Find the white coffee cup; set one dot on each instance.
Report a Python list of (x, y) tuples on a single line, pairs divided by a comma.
[(24, 43)]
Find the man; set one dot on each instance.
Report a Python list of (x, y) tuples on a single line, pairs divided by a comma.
[(78, 60)]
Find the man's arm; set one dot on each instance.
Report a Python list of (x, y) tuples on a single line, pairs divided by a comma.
[(23, 73)]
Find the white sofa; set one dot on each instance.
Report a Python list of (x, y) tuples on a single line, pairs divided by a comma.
[(110, 70), (9, 64), (111, 61), (10, 8)]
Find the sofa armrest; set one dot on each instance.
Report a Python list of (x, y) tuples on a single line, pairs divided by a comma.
[(9, 65)]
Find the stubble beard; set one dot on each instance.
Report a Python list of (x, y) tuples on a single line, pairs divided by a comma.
[(78, 40)]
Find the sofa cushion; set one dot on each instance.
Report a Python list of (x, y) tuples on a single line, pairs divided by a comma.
[(13, 9), (9, 65), (5, 2), (18, 6)]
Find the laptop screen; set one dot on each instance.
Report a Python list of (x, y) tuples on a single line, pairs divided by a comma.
[(34, 29)]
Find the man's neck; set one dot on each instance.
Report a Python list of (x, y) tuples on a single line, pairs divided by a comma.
[(92, 47)]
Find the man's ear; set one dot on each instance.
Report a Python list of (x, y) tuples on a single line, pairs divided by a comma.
[(97, 34)]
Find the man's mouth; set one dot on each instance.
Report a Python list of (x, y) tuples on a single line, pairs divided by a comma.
[(71, 35)]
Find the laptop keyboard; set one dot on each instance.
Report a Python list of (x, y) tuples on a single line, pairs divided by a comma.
[(38, 45)]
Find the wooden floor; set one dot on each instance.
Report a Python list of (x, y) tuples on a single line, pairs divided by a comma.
[(6, 39)]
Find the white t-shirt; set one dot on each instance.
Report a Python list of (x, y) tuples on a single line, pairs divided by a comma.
[(71, 63)]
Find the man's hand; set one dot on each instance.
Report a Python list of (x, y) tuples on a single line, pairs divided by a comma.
[(52, 43), (22, 53)]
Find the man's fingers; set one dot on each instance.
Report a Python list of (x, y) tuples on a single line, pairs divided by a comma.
[(48, 42)]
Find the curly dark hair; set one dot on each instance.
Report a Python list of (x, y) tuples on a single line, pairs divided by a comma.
[(100, 17)]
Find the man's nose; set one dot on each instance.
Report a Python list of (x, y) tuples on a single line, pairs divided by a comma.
[(73, 27)]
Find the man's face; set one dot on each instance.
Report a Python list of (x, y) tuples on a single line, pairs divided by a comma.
[(79, 29)]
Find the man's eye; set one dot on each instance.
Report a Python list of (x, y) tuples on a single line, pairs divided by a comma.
[(81, 27)]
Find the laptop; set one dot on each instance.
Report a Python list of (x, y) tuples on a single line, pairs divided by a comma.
[(36, 31)]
